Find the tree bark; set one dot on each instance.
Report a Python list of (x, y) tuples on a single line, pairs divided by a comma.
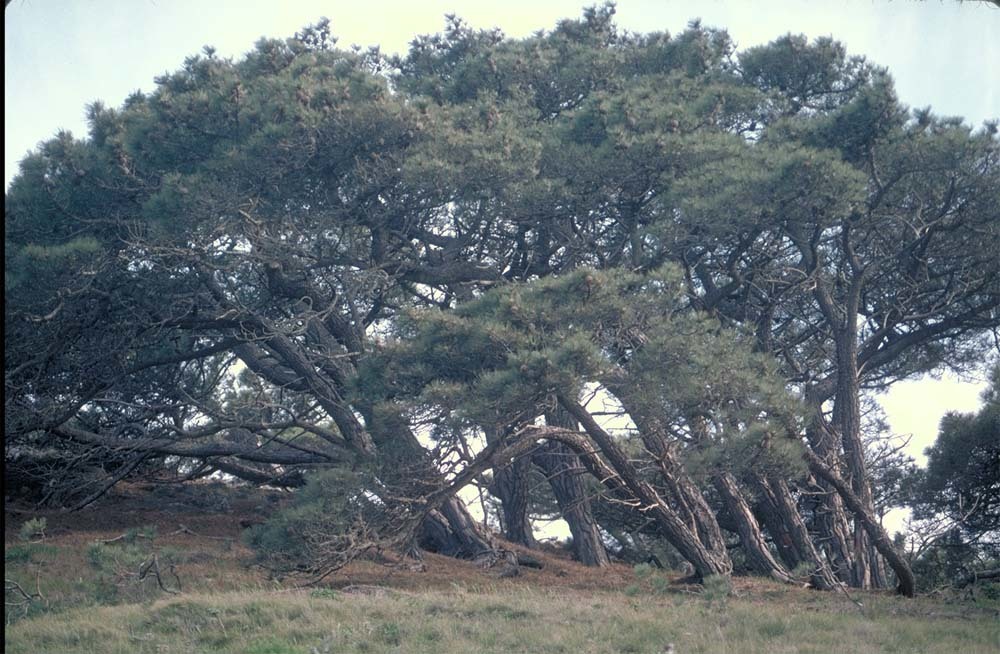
[(563, 468), (754, 546), (468, 539), (881, 540), (465, 537), (789, 530), (830, 516), (706, 562), (510, 485), (847, 417), (769, 513), (688, 498), (564, 471)]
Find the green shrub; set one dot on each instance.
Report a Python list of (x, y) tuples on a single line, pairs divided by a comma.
[(27, 553), (147, 532), (33, 529), (643, 571), (716, 589), (651, 579), (123, 569), (660, 584), (113, 557), (390, 634), (324, 593), (990, 591), (323, 523), (271, 646)]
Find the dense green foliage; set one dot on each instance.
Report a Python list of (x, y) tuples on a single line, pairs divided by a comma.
[(956, 498), (962, 477)]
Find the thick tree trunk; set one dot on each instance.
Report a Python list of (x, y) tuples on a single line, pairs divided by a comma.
[(451, 531), (468, 538), (767, 511), (840, 306), (754, 546), (830, 516), (436, 536), (847, 418), (564, 471), (465, 537), (880, 578), (562, 468), (510, 485)]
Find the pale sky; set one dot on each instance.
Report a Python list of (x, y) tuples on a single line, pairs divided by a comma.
[(62, 54)]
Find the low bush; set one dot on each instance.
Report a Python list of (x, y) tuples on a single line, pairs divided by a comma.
[(33, 529)]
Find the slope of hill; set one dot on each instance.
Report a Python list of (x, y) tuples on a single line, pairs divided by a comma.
[(163, 570)]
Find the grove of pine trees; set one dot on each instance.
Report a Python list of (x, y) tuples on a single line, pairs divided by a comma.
[(643, 282)]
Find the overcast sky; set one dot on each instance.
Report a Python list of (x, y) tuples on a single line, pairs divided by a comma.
[(62, 54)]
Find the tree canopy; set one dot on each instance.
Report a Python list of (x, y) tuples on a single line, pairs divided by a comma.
[(421, 267)]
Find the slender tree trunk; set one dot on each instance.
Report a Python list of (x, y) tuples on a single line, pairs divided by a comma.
[(907, 582), (688, 498), (706, 562)]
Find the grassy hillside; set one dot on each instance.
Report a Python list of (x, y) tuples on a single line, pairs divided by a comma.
[(501, 619), (89, 597)]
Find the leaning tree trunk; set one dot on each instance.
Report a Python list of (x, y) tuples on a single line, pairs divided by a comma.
[(830, 515), (687, 497), (767, 511), (878, 535), (283, 361), (469, 537), (789, 529), (463, 536), (705, 561), (754, 546)]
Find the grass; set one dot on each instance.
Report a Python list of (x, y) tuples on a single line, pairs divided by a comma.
[(502, 619), (92, 601)]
